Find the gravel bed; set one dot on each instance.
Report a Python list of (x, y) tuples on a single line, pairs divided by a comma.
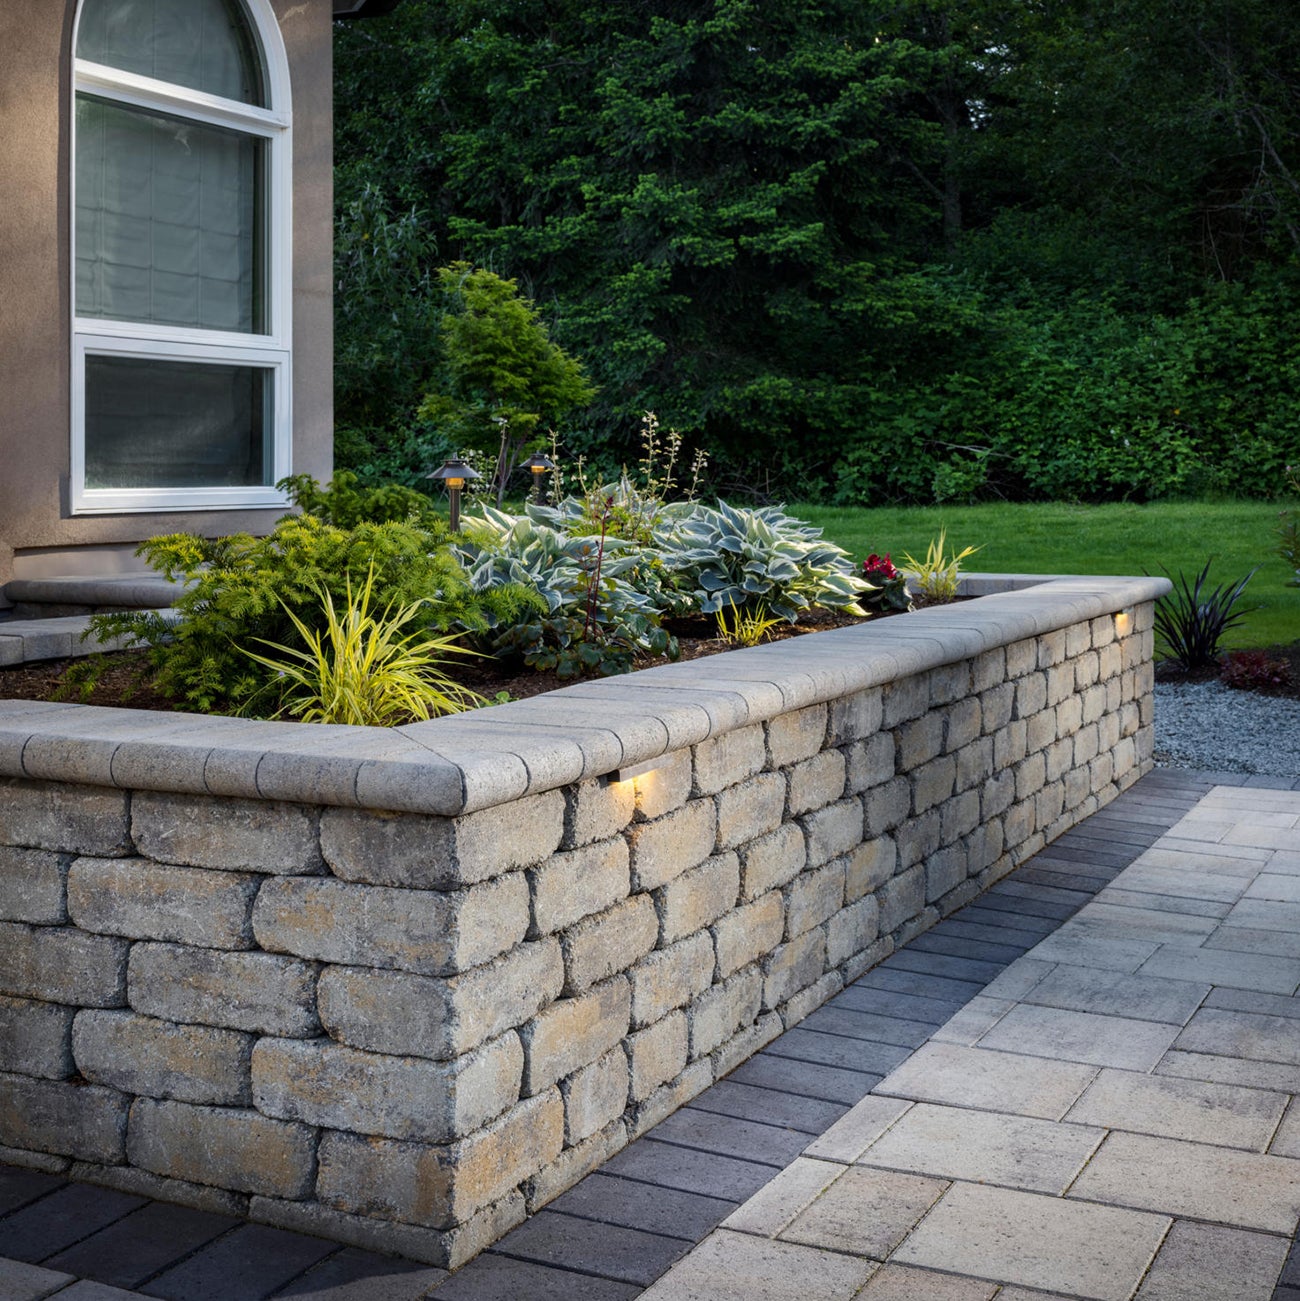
[(1205, 725)]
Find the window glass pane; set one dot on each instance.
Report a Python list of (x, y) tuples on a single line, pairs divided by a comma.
[(168, 220), (177, 424), (204, 44)]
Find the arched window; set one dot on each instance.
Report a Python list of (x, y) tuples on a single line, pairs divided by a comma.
[(182, 285)]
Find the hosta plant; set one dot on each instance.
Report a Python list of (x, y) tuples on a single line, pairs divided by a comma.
[(361, 668), (1192, 620), (729, 556)]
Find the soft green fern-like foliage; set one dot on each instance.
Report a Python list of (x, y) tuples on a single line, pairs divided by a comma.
[(241, 591)]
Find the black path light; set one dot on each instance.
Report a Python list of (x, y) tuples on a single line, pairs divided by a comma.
[(538, 464), (454, 473)]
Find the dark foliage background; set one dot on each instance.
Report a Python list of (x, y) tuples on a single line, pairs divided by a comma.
[(903, 252)]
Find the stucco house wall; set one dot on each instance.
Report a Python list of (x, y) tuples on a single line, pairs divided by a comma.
[(37, 528)]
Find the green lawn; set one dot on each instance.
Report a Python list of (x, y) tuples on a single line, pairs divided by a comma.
[(1112, 539)]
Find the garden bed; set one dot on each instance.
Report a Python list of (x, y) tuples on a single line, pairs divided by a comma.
[(401, 986)]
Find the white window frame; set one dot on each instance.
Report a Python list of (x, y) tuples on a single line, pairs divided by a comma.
[(272, 350)]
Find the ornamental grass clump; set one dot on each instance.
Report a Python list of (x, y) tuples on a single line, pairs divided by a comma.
[(365, 669), (938, 574), (1192, 621)]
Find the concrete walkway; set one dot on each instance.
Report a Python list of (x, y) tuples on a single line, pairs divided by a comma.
[(1046, 1091)]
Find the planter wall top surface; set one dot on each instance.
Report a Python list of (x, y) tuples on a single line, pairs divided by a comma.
[(459, 764)]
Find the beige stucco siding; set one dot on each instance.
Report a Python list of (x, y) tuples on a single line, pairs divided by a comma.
[(35, 325)]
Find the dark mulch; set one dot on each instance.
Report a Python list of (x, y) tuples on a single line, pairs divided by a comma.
[(121, 679)]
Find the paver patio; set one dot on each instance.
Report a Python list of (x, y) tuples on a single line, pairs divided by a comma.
[(1080, 1085)]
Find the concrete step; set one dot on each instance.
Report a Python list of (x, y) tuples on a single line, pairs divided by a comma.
[(23, 641), (72, 594)]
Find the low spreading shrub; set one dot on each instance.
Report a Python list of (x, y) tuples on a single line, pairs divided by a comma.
[(1255, 670)]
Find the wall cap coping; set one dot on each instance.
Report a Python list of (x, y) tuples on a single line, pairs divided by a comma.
[(466, 762)]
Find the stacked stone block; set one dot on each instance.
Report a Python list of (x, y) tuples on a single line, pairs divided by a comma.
[(407, 1031)]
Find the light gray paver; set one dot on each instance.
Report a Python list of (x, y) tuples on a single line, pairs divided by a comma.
[(1204, 1262), (1275, 886), (736, 1267), (904, 1283), (1266, 914), (867, 1212), (1016, 1151), (1269, 975), (993, 1081), (1227, 1070), (1286, 1142), (1044, 1242), (22, 1282), (1116, 993), (1217, 1184), (974, 1020), (1246, 939), (1149, 925), (850, 1136), (770, 1209), (1063, 1035), (1085, 948), (1018, 979), (1250, 1035), (1219, 1114)]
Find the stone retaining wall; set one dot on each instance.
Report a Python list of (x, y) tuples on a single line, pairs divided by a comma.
[(401, 987)]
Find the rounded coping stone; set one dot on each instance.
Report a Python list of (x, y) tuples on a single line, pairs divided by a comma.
[(454, 765)]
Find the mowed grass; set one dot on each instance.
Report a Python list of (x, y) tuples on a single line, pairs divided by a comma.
[(1112, 539)]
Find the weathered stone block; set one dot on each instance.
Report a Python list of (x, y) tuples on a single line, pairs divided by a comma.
[(855, 717), (793, 967), (324, 1083), (749, 932), (666, 788), (887, 806), (413, 930), (403, 849), (574, 1032), (771, 860), (920, 740), (1087, 670), (983, 846), (996, 707), (664, 1101), (179, 1192), (988, 670), (901, 898), (918, 838), (949, 682), (832, 831), (1018, 823), (598, 947), (809, 999), (698, 897), (670, 978), (1076, 787), (595, 1095), (575, 1163), (744, 1045), (672, 844), (141, 1054), (576, 883), (851, 930), (1103, 630), (720, 1012), (752, 809), (222, 1146), (958, 816), (229, 834), (72, 1119), (1031, 773), (868, 867), (1058, 758), (1022, 658), (260, 992), (812, 897), (409, 1015), (62, 965), (1041, 731), (596, 810), (36, 1038), (997, 795), (33, 886), (934, 782), (656, 1055), (797, 735), (868, 763), (974, 763), (963, 722), (905, 699), (1060, 684), (151, 901), (1051, 648), (1048, 804), (1031, 695), (816, 782), (1094, 703), (1069, 717), (440, 1186), (944, 870), (62, 817), (728, 758)]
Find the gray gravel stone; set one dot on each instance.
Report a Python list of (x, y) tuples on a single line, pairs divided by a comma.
[(1209, 726)]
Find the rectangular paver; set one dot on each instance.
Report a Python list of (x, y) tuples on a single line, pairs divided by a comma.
[(1064, 1035), (850, 1136), (1116, 993), (988, 1147), (1169, 1107), (1249, 1035), (1269, 975), (1211, 1263), (1042, 1242), (1206, 1183)]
